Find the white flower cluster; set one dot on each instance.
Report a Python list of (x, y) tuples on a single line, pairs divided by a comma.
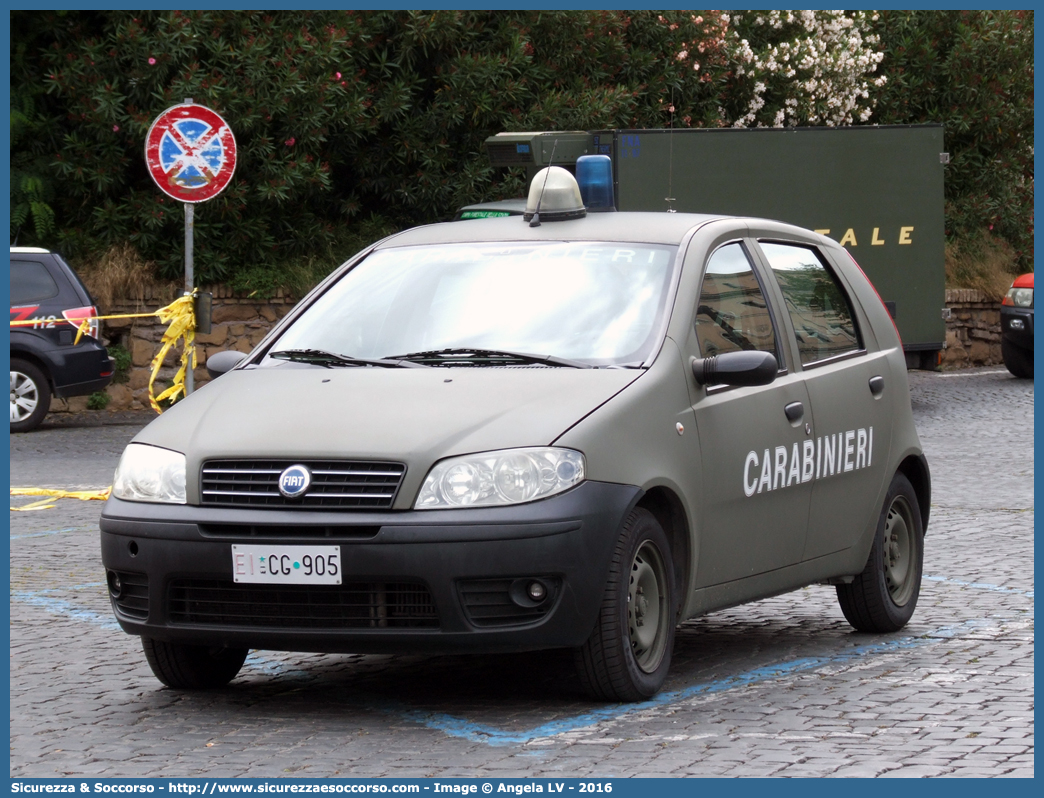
[(813, 67)]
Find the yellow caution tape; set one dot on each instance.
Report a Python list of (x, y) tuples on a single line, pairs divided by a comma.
[(43, 504), (180, 316), (86, 322), (40, 505)]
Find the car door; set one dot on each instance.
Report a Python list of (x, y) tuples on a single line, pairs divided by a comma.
[(846, 384), (753, 445)]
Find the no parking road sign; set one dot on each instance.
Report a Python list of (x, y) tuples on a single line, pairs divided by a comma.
[(190, 152)]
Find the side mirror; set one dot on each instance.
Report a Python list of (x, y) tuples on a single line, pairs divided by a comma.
[(749, 367), (220, 362)]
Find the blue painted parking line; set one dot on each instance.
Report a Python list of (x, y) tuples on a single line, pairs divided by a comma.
[(57, 606), (979, 585), (478, 732), (52, 532)]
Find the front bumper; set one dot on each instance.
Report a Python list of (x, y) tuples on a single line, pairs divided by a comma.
[(177, 558), (1017, 326)]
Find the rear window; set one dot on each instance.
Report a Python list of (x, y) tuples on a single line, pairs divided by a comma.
[(31, 282)]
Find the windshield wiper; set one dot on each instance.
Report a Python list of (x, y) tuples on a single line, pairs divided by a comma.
[(466, 356), (331, 359)]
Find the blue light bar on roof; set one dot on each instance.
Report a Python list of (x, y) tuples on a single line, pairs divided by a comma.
[(594, 174)]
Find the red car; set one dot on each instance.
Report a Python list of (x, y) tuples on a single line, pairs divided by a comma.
[(1017, 327)]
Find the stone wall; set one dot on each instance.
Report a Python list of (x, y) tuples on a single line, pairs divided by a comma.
[(973, 332), (238, 322)]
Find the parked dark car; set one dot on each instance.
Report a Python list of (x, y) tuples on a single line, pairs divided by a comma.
[(1017, 327), (46, 361)]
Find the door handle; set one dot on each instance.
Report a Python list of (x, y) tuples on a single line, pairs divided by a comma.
[(877, 385), (795, 411)]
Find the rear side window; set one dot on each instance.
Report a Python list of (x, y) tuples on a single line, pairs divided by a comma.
[(31, 282), (732, 314), (820, 310)]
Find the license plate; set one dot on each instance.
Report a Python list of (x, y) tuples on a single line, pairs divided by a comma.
[(287, 565)]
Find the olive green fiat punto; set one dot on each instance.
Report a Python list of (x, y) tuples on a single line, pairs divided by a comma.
[(562, 430)]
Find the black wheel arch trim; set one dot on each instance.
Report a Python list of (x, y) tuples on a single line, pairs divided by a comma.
[(915, 468)]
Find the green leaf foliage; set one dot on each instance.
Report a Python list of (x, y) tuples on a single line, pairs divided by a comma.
[(343, 120), (973, 72)]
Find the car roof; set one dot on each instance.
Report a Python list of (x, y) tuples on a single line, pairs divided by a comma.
[(648, 228), (516, 206), (29, 251)]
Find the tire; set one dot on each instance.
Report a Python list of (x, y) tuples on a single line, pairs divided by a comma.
[(1018, 361), (30, 396), (192, 667), (628, 654), (883, 597)]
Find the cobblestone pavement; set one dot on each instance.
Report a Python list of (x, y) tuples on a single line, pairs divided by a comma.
[(781, 687)]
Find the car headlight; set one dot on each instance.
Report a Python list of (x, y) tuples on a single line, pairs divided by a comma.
[(509, 476), (1019, 297), (150, 474)]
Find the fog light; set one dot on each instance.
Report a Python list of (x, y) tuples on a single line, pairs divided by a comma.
[(536, 591), (115, 585), (1016, 324)]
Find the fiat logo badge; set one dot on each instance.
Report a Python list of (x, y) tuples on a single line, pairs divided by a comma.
[(294, 481)]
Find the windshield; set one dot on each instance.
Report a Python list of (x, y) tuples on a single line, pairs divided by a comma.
[(597, 303)]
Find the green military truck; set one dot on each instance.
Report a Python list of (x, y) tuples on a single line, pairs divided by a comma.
[(878, 191)]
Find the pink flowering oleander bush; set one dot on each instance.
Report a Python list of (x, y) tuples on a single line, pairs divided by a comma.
[(802, 68)]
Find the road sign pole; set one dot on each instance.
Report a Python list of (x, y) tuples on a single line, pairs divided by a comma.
[(190, 277), (191, 154), (190, 228)]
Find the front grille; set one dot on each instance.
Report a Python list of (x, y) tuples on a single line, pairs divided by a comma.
[(489, 602), (133, 598), (359, 605), (276, 531), (336, 484)]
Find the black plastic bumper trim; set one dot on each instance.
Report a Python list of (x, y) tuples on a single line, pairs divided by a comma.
[(568, 539)]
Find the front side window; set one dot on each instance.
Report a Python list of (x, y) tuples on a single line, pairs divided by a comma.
[(822, 314), (732, 314), (598, 303)]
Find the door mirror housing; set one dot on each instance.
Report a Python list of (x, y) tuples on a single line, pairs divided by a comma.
[(749, 367), (220, 362)]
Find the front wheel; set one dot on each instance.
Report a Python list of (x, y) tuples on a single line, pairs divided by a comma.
[(186, 667), (1017, 360), (883, 597), (30, 396), (628, 654)]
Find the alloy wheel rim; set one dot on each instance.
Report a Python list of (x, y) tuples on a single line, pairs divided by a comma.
[(24, 396), (647, 607)]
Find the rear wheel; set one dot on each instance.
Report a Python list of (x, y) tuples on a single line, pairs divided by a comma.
[(883, 597), (1018, 361), (30, 396), (628, 654), (186, 667)]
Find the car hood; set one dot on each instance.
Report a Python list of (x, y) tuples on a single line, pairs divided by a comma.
[(414, 416)]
